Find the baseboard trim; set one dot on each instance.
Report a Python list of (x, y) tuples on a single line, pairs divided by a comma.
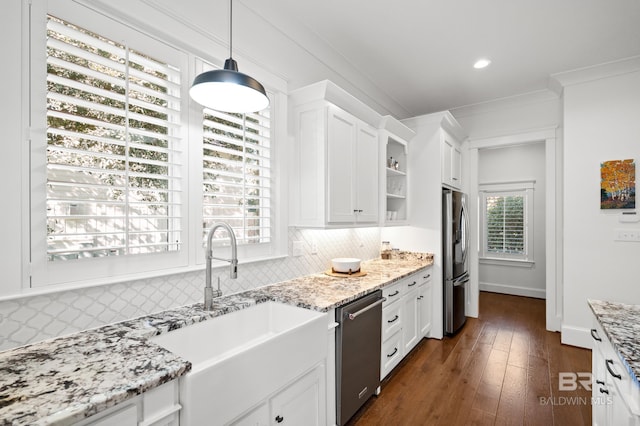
[(513, 290), (576, 336)]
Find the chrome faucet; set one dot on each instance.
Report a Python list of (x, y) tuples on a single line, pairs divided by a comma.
[(208, 289)]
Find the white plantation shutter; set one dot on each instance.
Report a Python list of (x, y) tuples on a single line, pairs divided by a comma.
[(505, 224), (507, 217), (237, 177), (113, 148)]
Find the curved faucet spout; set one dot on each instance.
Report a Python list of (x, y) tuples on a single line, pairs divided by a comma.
[(233, 273)]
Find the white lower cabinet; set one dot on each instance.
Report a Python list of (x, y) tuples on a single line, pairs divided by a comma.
[(122, 416), (157, 407), (391, 352), (301, 403), (615, 396), (425, 301), (406, 318), (410, 336)]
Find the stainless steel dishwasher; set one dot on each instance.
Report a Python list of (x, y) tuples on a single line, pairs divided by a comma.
[(357, 354)]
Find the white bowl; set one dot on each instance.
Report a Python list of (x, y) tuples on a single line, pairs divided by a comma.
[(345, 264)]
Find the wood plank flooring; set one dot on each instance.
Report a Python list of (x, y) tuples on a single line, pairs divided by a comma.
[(500, 369)]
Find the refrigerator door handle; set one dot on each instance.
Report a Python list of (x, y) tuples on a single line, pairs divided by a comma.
[(464, 218), (461, 279), (448, 231)]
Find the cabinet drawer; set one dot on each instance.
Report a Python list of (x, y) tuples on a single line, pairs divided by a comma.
[(425, 276), (391, 354), (411, 283), (391, 320), (392, 293)]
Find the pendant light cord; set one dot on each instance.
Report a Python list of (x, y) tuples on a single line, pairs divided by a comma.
[(230, 28)]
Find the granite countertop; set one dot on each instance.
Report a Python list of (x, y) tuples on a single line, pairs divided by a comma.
[(66, 379), (621, 324)]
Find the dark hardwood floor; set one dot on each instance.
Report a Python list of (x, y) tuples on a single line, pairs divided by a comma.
[(500, 369)]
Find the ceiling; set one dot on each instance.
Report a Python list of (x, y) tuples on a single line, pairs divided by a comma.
[(412, 57)]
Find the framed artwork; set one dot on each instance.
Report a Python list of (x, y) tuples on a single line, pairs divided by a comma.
[(618, 184)]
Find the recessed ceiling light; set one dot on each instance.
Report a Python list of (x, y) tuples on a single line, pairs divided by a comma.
[(481, 63)]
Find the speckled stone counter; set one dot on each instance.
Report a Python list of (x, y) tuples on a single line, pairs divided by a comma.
[(621, 324), (64, 380)]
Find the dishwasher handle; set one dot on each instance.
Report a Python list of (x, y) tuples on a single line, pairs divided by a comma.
[(355, 315)]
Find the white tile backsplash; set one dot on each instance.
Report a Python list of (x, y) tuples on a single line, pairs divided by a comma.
[(30, 319)]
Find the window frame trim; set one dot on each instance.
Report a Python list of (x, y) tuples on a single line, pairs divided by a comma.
[(42, 272), (192, 257), (526, 189)]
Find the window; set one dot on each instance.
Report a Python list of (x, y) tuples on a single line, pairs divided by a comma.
[(506, 214), (127, 174), (113, 116), (505, 224), (237, 177), (112, 154)]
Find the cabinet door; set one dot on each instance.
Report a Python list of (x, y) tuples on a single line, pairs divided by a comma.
[(599, 392), (256, 417), (424, 308), (300, 403), (618, 383), (456, 167), (366, 178), (410, 320), (446, 153), (341, 173), (451, 161)]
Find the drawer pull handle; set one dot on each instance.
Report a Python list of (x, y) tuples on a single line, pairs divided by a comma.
[(394, 293), (599, 382), (412, 284), (420, 297), (279, 419), (595, 335), (393, 320), (395, 350), (609, 364), (427, 276), (604, 391)]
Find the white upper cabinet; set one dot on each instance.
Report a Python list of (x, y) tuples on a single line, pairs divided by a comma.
[(451, 161), (366, 166), (352, 169), (335, 164)]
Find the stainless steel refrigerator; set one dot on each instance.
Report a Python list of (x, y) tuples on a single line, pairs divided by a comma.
[(455, 248)]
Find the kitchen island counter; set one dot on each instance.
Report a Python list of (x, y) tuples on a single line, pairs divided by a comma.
[(621, 324), (67, 379)]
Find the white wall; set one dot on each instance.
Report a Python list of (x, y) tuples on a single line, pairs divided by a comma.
[(601, 122), (13, 144), (509, 164)]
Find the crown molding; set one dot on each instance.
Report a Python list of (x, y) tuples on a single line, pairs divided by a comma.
[(558, 81), (508, 102)]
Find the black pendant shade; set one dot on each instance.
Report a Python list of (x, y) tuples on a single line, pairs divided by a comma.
[(228, 89)]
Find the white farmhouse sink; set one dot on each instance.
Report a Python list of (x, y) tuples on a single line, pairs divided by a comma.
[(242, 357)]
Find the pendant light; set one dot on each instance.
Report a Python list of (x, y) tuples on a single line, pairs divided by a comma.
[(227, 89)]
